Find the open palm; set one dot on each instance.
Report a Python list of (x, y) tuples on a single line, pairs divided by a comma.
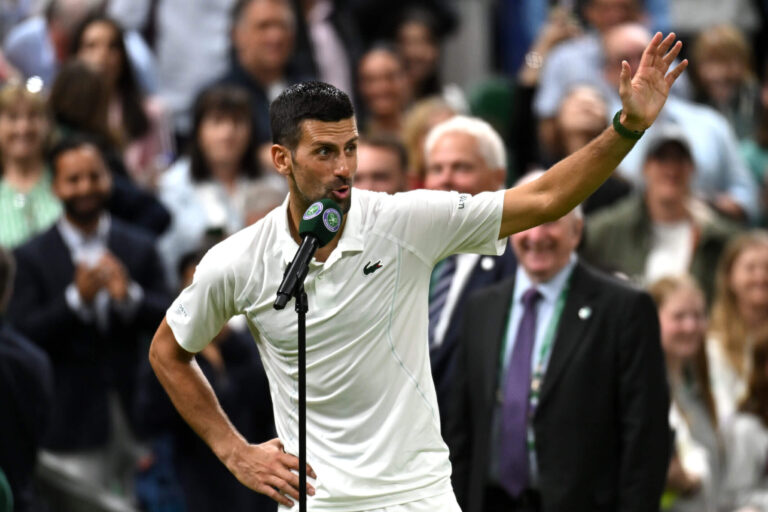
[(643, 95)]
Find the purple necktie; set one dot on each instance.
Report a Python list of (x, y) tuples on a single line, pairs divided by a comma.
[(513, 462)]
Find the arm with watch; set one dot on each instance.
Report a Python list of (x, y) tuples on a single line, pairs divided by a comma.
[(573, 179)]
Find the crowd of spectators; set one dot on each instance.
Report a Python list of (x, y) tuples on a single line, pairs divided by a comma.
[(134, 135)]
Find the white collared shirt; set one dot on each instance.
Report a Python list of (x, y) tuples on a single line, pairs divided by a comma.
[(550, 291), (373, 429), (87, 250)]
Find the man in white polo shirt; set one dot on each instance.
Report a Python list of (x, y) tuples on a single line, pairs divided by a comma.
[(373, 432)]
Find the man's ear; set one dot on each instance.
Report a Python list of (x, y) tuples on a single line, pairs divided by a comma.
[(281, 159)]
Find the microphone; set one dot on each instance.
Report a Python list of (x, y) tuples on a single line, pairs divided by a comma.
[(318, 226)]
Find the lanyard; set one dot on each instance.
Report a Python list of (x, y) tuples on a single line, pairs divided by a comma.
[(546, 346)]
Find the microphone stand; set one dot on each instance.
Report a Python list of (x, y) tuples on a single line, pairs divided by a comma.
[(302, 307)]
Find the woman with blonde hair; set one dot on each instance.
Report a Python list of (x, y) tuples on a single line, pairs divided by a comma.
[(27, 203), (723, 74), (693, 475), (739, 312), (420, 118)]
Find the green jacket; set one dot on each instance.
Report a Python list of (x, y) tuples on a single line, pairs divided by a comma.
[(618, 239)]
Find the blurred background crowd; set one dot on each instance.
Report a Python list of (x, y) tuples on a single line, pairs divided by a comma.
[(134, 134)]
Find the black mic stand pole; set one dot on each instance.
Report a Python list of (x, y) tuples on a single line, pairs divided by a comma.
[(301, 309)]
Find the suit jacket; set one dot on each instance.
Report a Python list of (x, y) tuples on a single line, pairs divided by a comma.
[(443, 357), (239, 77), (87, 363), (26, 390), (602, 437)]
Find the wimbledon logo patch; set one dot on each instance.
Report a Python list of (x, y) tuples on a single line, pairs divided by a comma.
[(313, 211), (331, 219)]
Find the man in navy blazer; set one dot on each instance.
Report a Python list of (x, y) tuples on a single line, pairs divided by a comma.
[(580, 424), (88, 290), (25, 399), (467, 155)]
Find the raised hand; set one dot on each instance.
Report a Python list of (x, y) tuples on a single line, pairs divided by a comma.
[(644, 94), (267, 469), (88, 281)]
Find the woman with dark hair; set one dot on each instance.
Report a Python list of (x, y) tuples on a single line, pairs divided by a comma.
[(384, 90), (745, 481), (78, 103), (694, 472), (419, 43), (136, 124), (207, 189)]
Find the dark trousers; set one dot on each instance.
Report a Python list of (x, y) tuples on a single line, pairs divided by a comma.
[(498, 500)]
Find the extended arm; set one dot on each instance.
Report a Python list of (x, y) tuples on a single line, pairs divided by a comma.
[(573, 179), (265, 468)]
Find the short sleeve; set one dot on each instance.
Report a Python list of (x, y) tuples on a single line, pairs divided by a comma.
[(201, 310), (437, 224)]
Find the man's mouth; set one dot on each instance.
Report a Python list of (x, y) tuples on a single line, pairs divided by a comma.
[(341, 192)]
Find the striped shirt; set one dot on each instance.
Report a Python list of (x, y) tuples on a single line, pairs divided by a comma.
[(23, 215)]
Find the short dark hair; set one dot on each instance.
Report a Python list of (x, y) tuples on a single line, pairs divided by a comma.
[(234, 103), (69, 143), (307, 100), (389, 142), (7, 271)]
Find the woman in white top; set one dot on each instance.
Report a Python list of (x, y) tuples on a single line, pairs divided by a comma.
[(745, 480), (206, 190), (694, 472), (739, 311)]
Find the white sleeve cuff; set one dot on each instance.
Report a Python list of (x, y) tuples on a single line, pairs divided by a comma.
[(130, 304), (75, 302)]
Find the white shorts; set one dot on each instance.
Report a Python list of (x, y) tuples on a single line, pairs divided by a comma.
[(440, 503)]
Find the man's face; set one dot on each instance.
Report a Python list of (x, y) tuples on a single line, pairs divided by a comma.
[(668, 173), (544, 250), (323, 163), (82, 183), (263, 36), (626, 42), (379, 169), (454, 163)]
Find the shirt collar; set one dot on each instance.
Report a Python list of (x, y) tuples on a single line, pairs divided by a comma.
[(351, 238), (74, 236), (549, 290)]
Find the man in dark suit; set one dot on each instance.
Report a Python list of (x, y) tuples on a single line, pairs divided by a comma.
[(26, 390), (467, 155), (560, 393), (87, 290)]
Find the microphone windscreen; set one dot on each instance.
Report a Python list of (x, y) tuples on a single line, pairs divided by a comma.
[(322, 220)]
